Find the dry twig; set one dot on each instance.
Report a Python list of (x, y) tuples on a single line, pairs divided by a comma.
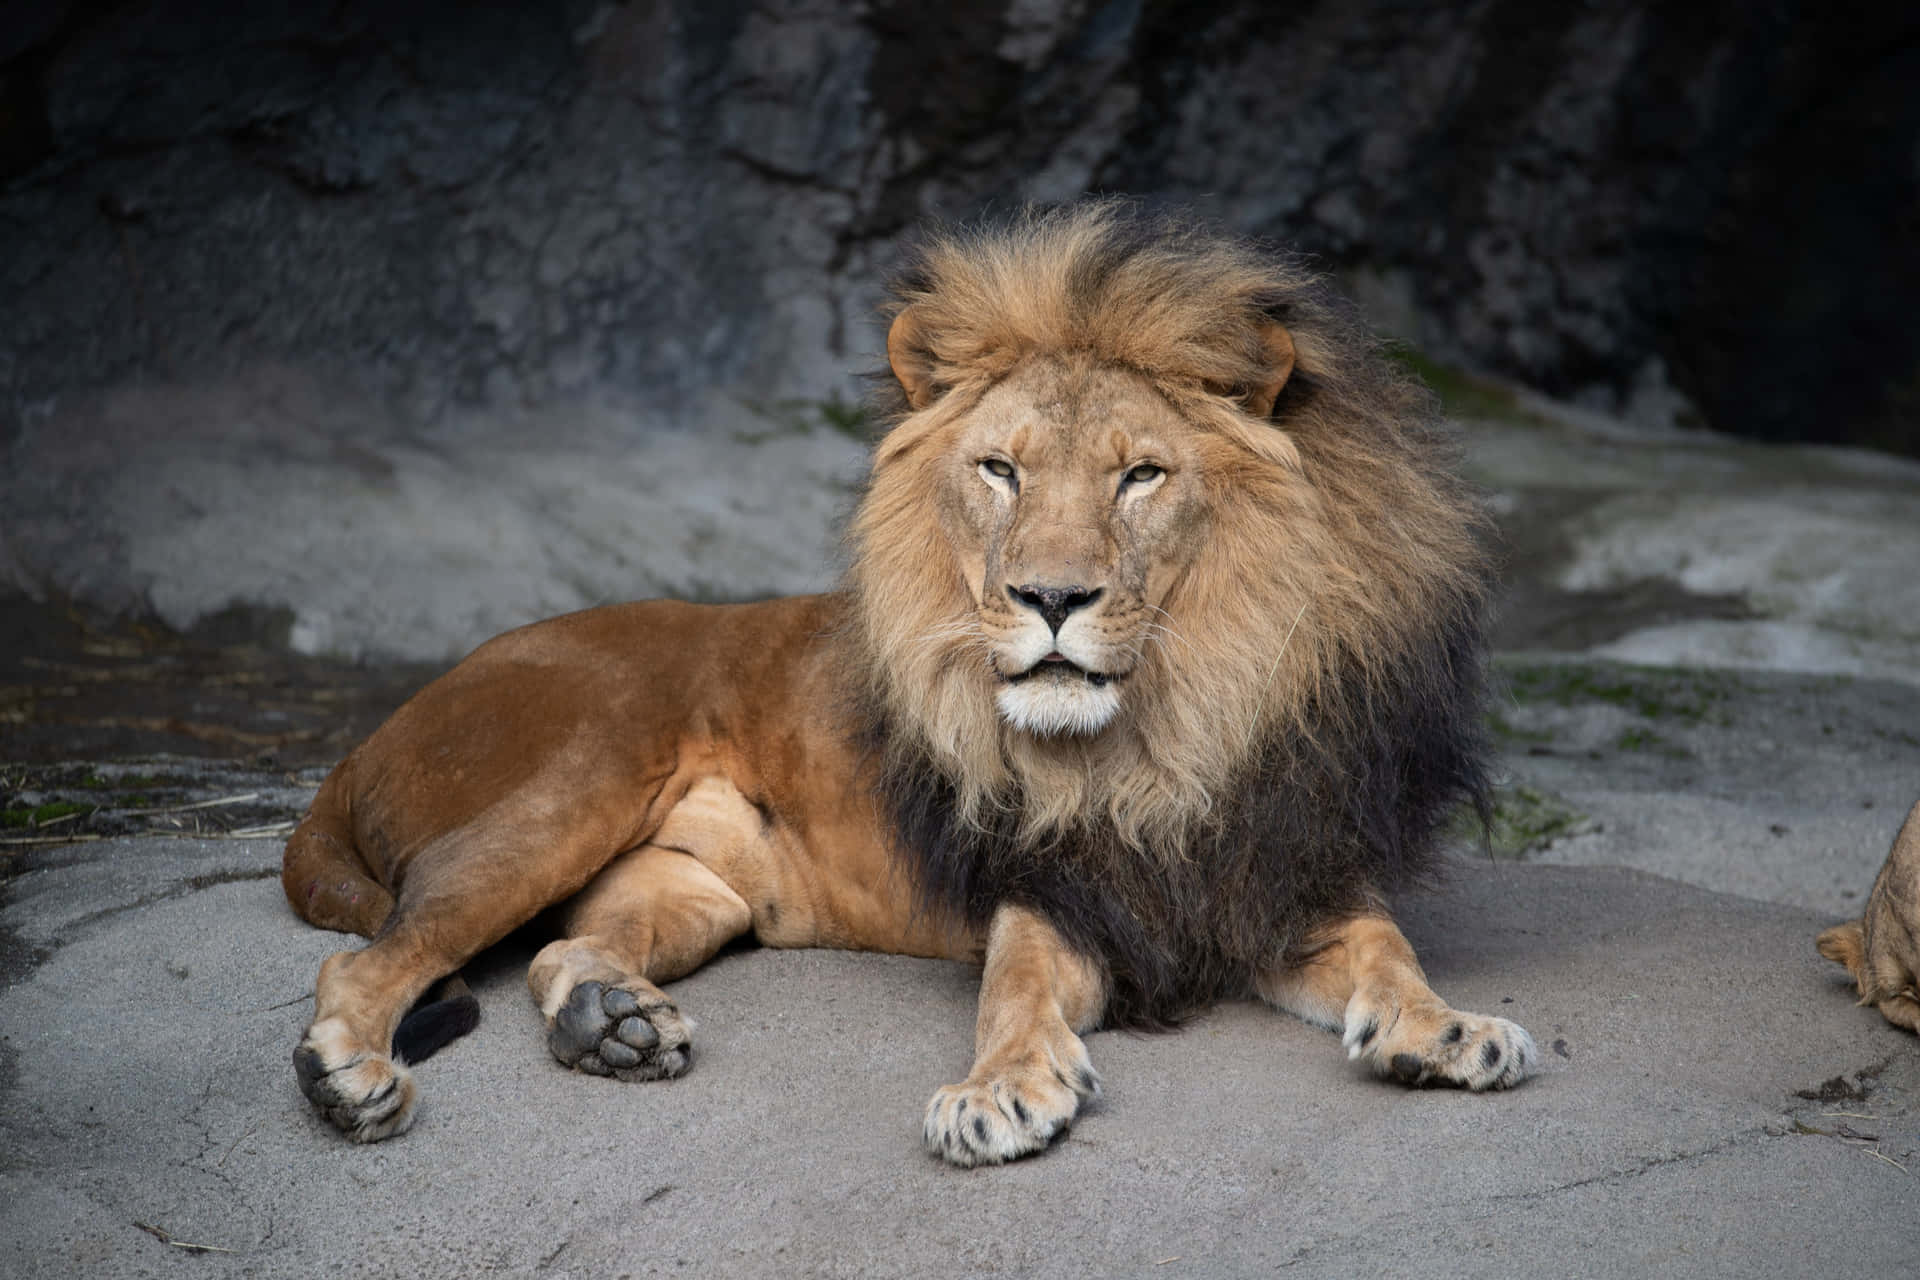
[(200, 804), (164, 1237)]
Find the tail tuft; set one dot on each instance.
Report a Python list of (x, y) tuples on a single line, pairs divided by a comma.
[(442, 1016), (1845, 944)]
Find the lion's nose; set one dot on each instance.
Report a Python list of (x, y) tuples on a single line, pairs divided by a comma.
[(1054, 603)]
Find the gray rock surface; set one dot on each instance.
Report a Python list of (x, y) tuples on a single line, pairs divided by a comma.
[(1691, 548), (1769, 785), (420, 544), (419, 323), (1712, 1103), (401, 330)]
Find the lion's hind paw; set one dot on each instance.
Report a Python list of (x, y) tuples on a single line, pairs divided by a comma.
[(367, 1096), (610, 1031), (1438, 1045)]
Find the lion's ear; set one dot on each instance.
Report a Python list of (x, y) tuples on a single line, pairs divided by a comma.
[(912, 359), (1277, 344)]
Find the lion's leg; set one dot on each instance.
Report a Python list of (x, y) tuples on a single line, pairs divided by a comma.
[(1030, 1070), (653, 915), (464, 893), (326, 880), (1364, 981), (344, 1062)]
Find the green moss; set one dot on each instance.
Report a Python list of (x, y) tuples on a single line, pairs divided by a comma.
[(42, 814), (1525, 820), (849, 418), (1462, 394), (1505, 731), (799, 417), (1653, 693), (1638, 739)]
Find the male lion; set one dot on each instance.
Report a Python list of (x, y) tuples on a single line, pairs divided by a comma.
[(1158, 661), (1881, 950)]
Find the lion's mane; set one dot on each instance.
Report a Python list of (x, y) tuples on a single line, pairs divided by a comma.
[(1308, 715)]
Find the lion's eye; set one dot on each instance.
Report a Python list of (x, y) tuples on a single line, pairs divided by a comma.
[(999, 469), (1145, 473)]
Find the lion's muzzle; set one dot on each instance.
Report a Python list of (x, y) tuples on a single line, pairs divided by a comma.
[(1053, 604)]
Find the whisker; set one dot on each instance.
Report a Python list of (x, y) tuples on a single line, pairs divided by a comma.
[(1167, 626), (1247, 745), (961, 628), (1155, 630)]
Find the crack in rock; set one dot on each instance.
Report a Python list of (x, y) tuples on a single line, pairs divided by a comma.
[(185, 888), (1753, 1136), (1643, 1167)]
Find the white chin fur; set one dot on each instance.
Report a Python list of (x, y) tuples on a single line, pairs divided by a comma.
[(1045, 706)]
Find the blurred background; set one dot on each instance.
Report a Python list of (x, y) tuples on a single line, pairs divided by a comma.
[(336, 336)]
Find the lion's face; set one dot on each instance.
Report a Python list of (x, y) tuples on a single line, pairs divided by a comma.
[(1149, 512), (1073, 495)]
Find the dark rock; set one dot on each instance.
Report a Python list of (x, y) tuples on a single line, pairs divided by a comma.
[(1702, 212)]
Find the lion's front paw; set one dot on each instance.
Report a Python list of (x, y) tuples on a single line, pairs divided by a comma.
[(367, 1096), (1000, 1115), (1428, 1042), (610, 1031)]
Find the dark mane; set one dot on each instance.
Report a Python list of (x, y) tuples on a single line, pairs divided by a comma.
[(1293, 756), (1332, 816)]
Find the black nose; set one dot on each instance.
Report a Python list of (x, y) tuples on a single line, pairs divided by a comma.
[(1054, 603)]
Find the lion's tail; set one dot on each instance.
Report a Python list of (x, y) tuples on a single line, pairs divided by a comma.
[(1845, 944), (447, 1012), (329, 884)]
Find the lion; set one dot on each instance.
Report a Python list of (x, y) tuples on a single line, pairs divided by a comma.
[(1881, 950), (1156, 665)]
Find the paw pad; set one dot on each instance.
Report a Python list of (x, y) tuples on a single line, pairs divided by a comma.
[(609, 1031)]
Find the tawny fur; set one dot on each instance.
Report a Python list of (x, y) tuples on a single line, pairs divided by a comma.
[(1309, 712), (1264, 592), (1342, 536), (1881, 950)]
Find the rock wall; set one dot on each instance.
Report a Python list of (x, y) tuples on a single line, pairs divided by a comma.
[(1702, 209), (331, 242)]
